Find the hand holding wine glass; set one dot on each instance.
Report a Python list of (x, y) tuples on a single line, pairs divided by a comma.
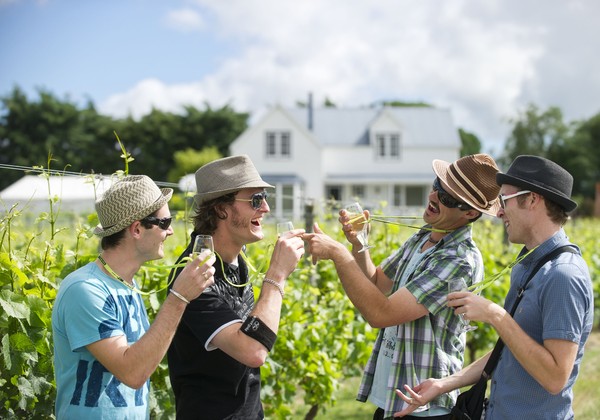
[(359, 224), (458, 284)]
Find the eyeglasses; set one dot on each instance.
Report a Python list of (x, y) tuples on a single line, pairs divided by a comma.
[(163, 223), (503, 197), (255, 199), (446, 199)]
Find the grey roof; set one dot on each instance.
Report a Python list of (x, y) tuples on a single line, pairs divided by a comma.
[(347, 127)]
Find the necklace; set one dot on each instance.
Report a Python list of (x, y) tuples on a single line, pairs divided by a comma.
[(115, 275), (431, 240)]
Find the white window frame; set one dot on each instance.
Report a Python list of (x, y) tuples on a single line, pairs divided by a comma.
[(388, 145), (278, 144)]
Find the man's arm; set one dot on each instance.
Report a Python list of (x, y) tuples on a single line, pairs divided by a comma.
[(366, 293), (431, 388), (133, 364), (232, 340), (549, 364)]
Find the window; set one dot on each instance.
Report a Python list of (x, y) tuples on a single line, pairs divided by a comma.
[(358, 191), (333, 192), (278, 144), (414, 196), (387, 145)]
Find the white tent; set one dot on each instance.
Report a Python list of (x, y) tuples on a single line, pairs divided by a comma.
[(74, 193)]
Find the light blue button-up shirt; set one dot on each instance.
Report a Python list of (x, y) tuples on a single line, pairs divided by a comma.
[(557, 304)]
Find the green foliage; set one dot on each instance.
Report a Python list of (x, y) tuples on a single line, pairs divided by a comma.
[(85, 141), (188, 161), (322, 339), (470, 143), (534, 132)]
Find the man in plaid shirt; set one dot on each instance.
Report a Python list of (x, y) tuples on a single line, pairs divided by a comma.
[(420, 336)]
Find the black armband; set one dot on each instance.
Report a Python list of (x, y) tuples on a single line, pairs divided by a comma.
[(254, 328)]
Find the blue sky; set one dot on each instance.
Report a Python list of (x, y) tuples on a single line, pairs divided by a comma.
[(484, 60)]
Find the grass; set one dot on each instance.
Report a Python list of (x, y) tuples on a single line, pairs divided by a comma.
[(586, 402)]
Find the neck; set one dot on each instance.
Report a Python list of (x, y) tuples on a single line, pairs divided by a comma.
[(119, 265)]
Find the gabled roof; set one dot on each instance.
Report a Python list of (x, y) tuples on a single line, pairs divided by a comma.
[(347, 127)]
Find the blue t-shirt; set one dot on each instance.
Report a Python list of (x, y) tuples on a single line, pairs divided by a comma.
[(558, 303), (92, 306)]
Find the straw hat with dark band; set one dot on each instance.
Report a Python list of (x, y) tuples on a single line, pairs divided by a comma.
[(541, 176), (127, 200), (473, 179), (227, 175)]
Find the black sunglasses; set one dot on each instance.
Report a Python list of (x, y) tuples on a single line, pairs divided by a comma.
[(163, 223), (255, 199), (446, 199)]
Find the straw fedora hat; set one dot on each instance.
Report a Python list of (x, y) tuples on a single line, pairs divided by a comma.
[(127, 200), (473, 179), (541, 176), (226, 175)]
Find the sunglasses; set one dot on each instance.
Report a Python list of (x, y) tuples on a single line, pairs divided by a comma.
[(255, 199), (503, 198), (163, 223), (446, 199)]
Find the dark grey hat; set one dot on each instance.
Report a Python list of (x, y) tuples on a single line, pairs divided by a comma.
[(541, 176), (226, 175)]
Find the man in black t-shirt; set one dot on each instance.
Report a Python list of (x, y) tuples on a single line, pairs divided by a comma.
[(224, 336)]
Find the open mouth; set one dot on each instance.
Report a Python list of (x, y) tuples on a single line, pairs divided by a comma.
[(255, 222), (433, 207)]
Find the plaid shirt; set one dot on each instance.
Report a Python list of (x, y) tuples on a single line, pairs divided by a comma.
[(428, 347)]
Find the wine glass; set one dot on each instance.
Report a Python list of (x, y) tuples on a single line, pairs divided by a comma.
[(284, 227), (359, 224), (458, 284), (202, 243)]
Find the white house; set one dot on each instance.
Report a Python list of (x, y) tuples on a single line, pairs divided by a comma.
[(370, 155)]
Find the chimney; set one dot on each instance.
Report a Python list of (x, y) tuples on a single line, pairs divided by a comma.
[(310, 111)]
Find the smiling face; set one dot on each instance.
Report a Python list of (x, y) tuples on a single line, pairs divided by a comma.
[(152, 244), (513, 216), (244, 222), (440, 216)]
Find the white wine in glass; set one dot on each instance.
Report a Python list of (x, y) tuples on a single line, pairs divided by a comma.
[(202, 243), (284, 227), (457, 284), (359, 224)]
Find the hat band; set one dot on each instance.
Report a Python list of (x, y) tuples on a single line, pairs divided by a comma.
[(463, 181)]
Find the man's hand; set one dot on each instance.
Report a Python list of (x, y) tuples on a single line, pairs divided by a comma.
[(418, 396)]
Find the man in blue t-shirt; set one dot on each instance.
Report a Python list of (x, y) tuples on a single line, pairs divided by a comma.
[(104, 347)]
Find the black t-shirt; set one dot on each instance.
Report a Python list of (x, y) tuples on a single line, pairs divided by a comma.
[(211, 384)]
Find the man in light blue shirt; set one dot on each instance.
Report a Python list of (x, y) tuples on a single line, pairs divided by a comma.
[(545, 339), (104, 347)]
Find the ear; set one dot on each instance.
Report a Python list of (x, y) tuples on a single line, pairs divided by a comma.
[(472, 214), (135, 229)]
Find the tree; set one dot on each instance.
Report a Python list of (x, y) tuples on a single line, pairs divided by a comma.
[(470, 143), (533, 133), (188, 161)]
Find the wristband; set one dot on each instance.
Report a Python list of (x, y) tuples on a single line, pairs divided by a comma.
[(254, 328), (180, 296), (274, 283)]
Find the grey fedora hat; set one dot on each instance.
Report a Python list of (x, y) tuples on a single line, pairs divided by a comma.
[(127, 200), (541, 176), (226, 175)]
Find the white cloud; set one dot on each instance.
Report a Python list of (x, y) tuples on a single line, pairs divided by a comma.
[(185, 20), (484, 61)]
